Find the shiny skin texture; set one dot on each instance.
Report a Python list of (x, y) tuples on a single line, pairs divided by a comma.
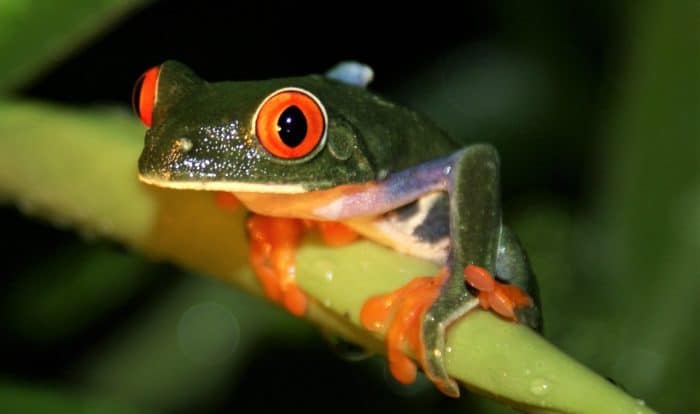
[(367, 137), (373, 159)]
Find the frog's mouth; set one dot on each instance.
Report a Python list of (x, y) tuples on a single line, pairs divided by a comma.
[(280, 200), (225, 186)]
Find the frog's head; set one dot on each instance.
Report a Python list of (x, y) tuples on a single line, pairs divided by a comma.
[(274, 136)]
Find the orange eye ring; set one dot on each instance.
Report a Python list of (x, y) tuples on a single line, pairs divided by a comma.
[(144, 95), (291, 124)]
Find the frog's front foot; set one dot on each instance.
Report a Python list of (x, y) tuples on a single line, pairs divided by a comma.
[(273, 245), (415, 317), (274, 242)]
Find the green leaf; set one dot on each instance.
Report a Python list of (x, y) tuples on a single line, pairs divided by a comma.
[(49, 30), (29, 400), (78, 286), (650, 206), (196, 332)]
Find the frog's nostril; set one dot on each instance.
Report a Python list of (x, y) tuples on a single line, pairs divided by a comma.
[(183, 144)]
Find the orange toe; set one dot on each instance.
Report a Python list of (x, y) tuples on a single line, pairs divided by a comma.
[(295, 300), (273, 245), (479, 278), (336, 234), (400, 314), (274, 242), (502, 298)]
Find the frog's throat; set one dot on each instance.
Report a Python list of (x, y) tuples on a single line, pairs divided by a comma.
[(225, 186), (292, 201)]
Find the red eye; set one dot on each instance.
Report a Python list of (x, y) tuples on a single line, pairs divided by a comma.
[(290, 123), (143, 98)]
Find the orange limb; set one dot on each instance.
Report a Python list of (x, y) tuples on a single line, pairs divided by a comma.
[(274, 242), (403, 310), (502, 298), (227, 201), (399, 314), (336, 234), (273, 245)]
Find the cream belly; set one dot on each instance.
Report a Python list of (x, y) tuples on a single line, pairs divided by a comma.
[(420, 229)]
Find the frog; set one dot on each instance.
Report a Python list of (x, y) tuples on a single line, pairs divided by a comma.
[(322, 152)]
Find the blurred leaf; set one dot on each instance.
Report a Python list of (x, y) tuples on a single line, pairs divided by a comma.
[(651, 205), (548, 231), (192, 344), (49, 30), (504, 360), (76, 181), (62, 295), (30, 400)]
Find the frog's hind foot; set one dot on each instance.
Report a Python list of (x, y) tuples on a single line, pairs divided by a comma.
[(401, 315), (504, 299), (415, 326), (415, 318)]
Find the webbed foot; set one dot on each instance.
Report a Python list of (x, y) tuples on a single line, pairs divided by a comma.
[(400, 315), (415, 319), (502, 298)]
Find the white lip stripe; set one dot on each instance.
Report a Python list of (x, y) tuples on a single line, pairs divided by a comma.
[(227, 186)]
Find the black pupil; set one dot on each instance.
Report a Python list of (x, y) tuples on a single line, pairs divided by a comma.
[(292, 126)]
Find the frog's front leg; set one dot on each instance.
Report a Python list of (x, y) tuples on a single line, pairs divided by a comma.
[(418, 314), (273, 246)]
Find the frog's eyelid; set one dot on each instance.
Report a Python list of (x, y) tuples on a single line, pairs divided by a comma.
[(352, 73)]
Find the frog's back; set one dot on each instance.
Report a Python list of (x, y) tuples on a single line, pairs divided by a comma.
[(394, 136)]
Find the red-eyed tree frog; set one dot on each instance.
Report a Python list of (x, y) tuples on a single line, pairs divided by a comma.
[(323, 152)]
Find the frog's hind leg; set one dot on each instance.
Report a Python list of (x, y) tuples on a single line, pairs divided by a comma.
[(418, 314), (513, 268), (478, 240), (475, 220)]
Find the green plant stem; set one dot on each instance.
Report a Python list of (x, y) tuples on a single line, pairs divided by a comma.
[(78, 169)]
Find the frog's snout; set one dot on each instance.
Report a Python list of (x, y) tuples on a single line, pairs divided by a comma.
[(159, 157), (183, 145)]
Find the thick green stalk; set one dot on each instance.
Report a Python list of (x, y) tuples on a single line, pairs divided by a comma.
[(78, 168)]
